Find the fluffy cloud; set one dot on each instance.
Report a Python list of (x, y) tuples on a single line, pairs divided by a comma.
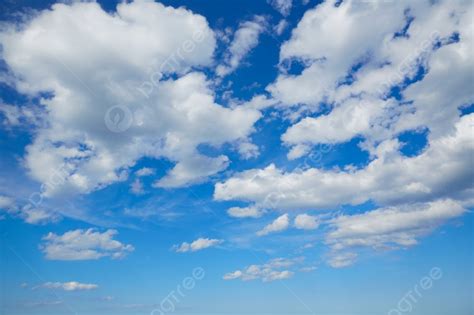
[(386, 228), (126, 82), (355, 74), (69, 286), (282, 6), (306, 222), (279, 224), (197, 245), (400, 225), (246, 212), (245, 39), (271, 271), (84, 245), (390, 178)]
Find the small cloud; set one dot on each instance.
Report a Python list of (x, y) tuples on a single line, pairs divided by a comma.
[(197, 245), (68, 286), (306, 222), (145, 171), (280, 224), (275, 269), (136, 187), (246, 212)]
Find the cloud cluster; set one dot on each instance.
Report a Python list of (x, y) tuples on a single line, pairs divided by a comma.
[(390, 178), (87, 244), (137, 96)]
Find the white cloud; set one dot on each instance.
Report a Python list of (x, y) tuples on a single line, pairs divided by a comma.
[(145, 171), (84, 245), (246, 212), (386, 228), (197, 245), (306, 222), (282, 6), (136, 187), (6, 202), (248, 150), (280, 27), (69, 286), (390, 178), (400, 225), (245, 39), (27, 212), (280, 224), (166, 118), (273, 270), (342, 260), (381, 60)]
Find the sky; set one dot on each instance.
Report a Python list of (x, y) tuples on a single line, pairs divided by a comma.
[(236, 157)]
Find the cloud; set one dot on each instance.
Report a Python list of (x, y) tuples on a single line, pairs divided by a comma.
[(280, 27), (6, 202), (390, 178), (400, 225), (306, 222), (136, 187), (354, 76), (342, 260), (270, 271), (386, 228), (197, 245), (245, 39), (280, 224), (145, 171), (87, 244), (134, 98), (27, 212), (68, 286), (246, 212), (282, 6)]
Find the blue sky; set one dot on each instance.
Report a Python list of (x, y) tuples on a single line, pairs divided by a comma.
[(236, 157)]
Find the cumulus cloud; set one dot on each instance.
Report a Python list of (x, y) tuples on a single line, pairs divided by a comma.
[(400, 225), (386, 228), (245, 212), (245, 39), (273, 270), (355, 74), (390, 178), (123, 105), (279, 224), (87, 244), (306, 222), (197, 245), (69, 286)]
